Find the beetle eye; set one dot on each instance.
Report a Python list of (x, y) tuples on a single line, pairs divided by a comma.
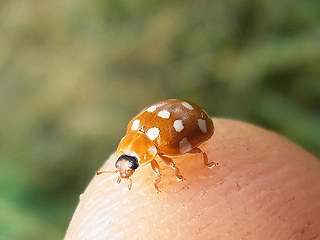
[(132, 161)]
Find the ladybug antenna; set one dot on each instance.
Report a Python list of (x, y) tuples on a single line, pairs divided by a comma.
[(103, 171)]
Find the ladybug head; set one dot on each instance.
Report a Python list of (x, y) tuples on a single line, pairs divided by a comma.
[(126, 165)]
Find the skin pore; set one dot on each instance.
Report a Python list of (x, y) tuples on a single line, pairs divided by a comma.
[(265, 187)]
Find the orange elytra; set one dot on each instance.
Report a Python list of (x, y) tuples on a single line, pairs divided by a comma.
[(167, 128)]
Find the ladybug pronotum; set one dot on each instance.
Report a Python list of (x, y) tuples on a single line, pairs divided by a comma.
[(167, 128)]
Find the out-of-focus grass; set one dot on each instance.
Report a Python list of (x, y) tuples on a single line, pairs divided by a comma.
[(73, 73)]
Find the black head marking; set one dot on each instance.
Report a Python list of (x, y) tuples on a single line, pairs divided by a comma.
[(132, 161)]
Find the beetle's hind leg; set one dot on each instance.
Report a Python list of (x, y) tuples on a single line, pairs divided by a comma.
[(169, 161), (205, 158)]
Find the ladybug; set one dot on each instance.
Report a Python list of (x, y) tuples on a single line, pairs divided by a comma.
[(167, 128)]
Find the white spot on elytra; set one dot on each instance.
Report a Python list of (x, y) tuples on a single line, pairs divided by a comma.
[(178, 125), (187, 105), (185, 146), (164, 114), (202, 125), (151, 108), (153, 133), (135, 125)]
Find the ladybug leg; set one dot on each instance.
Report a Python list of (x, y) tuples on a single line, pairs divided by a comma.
[(205, 158), (130, 183), (173, 166), (156, 170), (119, 180)]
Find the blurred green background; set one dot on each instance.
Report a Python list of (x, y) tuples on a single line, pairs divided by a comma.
[(74, 72)]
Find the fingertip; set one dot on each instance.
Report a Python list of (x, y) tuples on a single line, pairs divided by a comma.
[(257, 182)]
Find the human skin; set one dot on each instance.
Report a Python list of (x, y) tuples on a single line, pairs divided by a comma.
[(265, 187)]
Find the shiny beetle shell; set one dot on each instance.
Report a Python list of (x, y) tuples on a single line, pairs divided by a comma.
[(174, 126), (167, 128)]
